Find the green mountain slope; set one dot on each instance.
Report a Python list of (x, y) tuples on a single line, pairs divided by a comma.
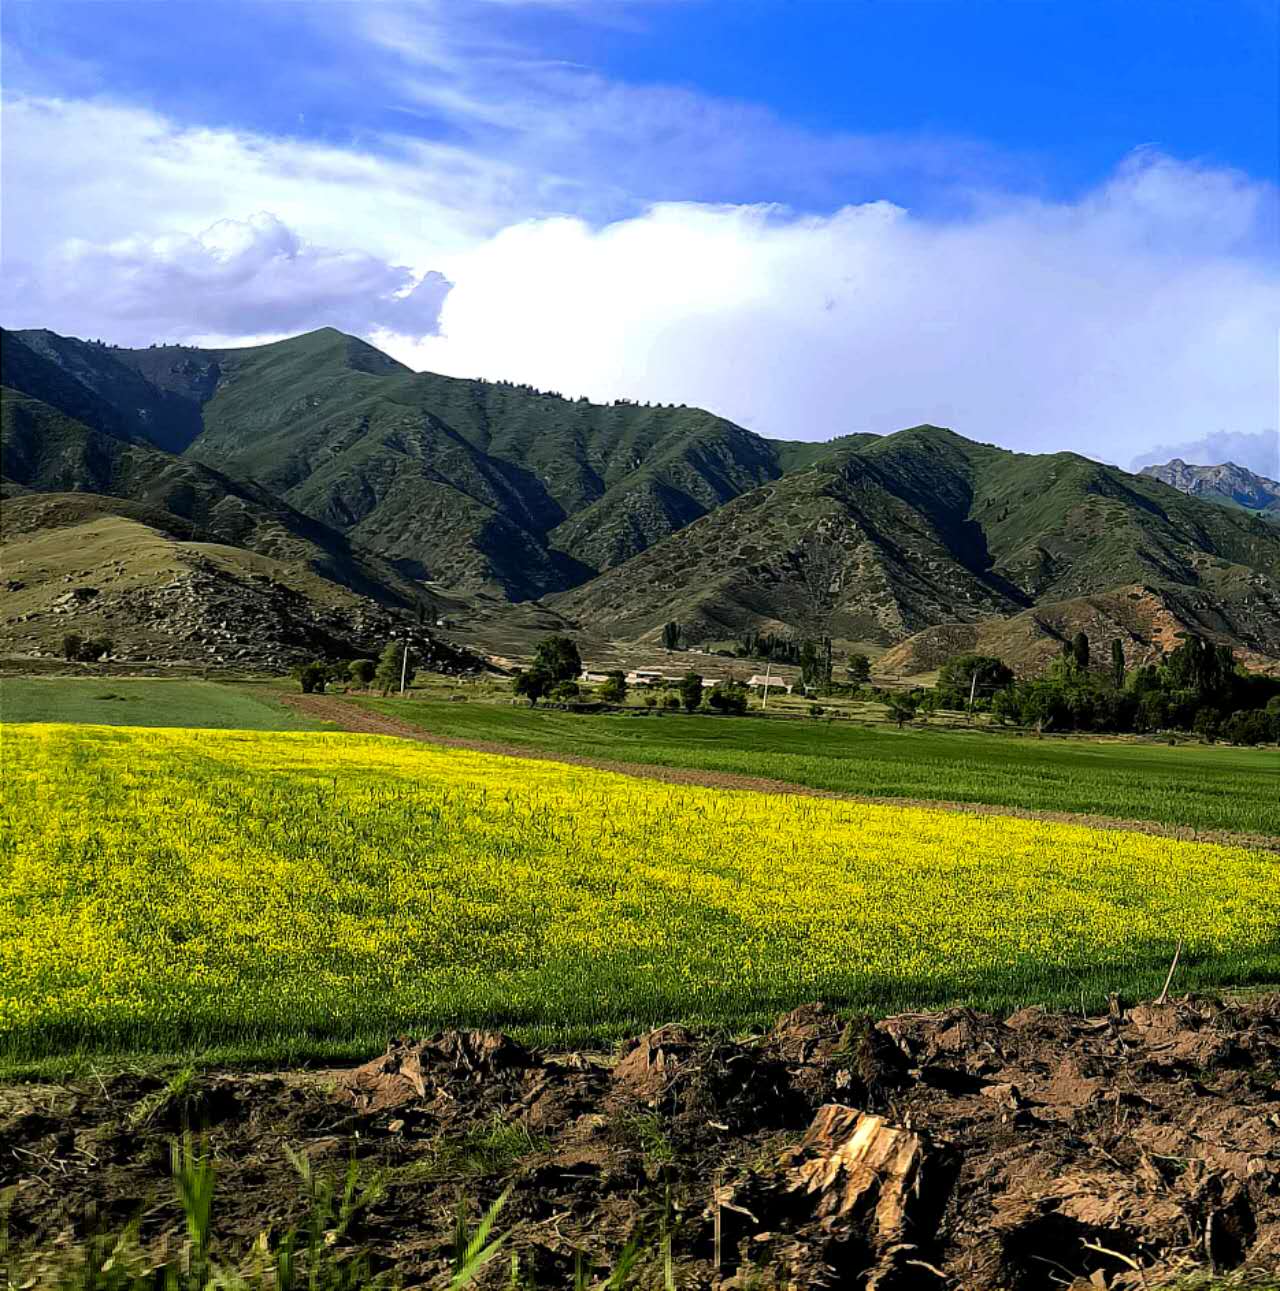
[(471, 484), (43, 450), (877, 541), (94, 384), (478, 484)]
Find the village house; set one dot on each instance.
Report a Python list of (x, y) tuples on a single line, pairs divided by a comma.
[(759, 681)]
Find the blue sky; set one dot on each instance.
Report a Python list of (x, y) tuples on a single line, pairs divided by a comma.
[(1053, 95), (1048, 222)]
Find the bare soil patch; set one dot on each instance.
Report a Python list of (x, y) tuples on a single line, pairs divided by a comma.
[(353, 718), (948, 1150)]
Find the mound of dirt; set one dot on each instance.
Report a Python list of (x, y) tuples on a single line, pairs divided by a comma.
[(945, 1150)]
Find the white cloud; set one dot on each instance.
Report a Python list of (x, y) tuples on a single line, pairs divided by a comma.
[(1144, 311), (112, 218), (601, 144), (1148, 307), (253, 277), (101, 172)]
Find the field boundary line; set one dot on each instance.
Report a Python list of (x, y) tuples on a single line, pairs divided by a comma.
[(357, 720)]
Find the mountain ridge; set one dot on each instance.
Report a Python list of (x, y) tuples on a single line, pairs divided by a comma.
[(479, 485), (619, 516), (1226, 482)]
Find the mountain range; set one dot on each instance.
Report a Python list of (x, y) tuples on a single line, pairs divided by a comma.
[(427, 495), (1228, 483)]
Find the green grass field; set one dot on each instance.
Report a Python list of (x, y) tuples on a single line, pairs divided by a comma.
[(110, 701), (1202, 787)]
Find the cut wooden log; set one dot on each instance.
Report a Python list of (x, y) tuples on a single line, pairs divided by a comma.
[(857, 1162)]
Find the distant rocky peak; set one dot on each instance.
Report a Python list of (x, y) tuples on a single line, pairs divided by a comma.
[(1226, 480)]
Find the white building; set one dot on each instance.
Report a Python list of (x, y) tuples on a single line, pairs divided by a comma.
[(646, 677), (759, 681)]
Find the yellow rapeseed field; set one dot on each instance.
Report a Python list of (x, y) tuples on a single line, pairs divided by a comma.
[(171, 887)]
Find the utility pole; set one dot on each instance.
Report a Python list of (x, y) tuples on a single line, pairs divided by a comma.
[(973, 687), (404, 668), (768, 672)]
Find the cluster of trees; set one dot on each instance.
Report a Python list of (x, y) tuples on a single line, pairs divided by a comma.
[(729, 697), (557, 664), (816, 665), (1197, 687), (969, 680), (765, 645), (553, 673), (524, 388), (85, 649), (813, 655), (394, 665)]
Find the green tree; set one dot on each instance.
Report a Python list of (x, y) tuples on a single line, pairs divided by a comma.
[(981, 675), (360, 672), (71, 644), (1153, 712), (391, 664), (728, 697), (532, 684), (1251, 726), (811, 662), (671, 636), (691, 691), (1206, 723), (858, 669), (1117, 663), (558, 658), (614, 688), (312, 677), (902, 709), (1006, 706), (565, 692), (1080, 651), (1200, 666)]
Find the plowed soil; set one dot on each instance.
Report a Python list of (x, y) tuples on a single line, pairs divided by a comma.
[(947, 1150), (363, 721)]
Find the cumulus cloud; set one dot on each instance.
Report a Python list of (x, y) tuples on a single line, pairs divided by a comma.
[(1150, 303), (102, 172), (253, 277), (1142, 312), (1257, 451)]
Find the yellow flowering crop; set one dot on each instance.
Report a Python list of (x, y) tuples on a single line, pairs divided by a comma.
[(160, 887)]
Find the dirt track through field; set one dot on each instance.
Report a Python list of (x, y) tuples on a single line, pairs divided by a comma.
[(353, 718)]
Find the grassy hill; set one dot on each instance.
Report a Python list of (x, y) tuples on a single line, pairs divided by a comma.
[(1148, 621), (472, 484), (150, 583), (882, 540), (46, 451)]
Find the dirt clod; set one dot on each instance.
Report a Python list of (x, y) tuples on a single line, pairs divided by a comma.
[(943, 1150)]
